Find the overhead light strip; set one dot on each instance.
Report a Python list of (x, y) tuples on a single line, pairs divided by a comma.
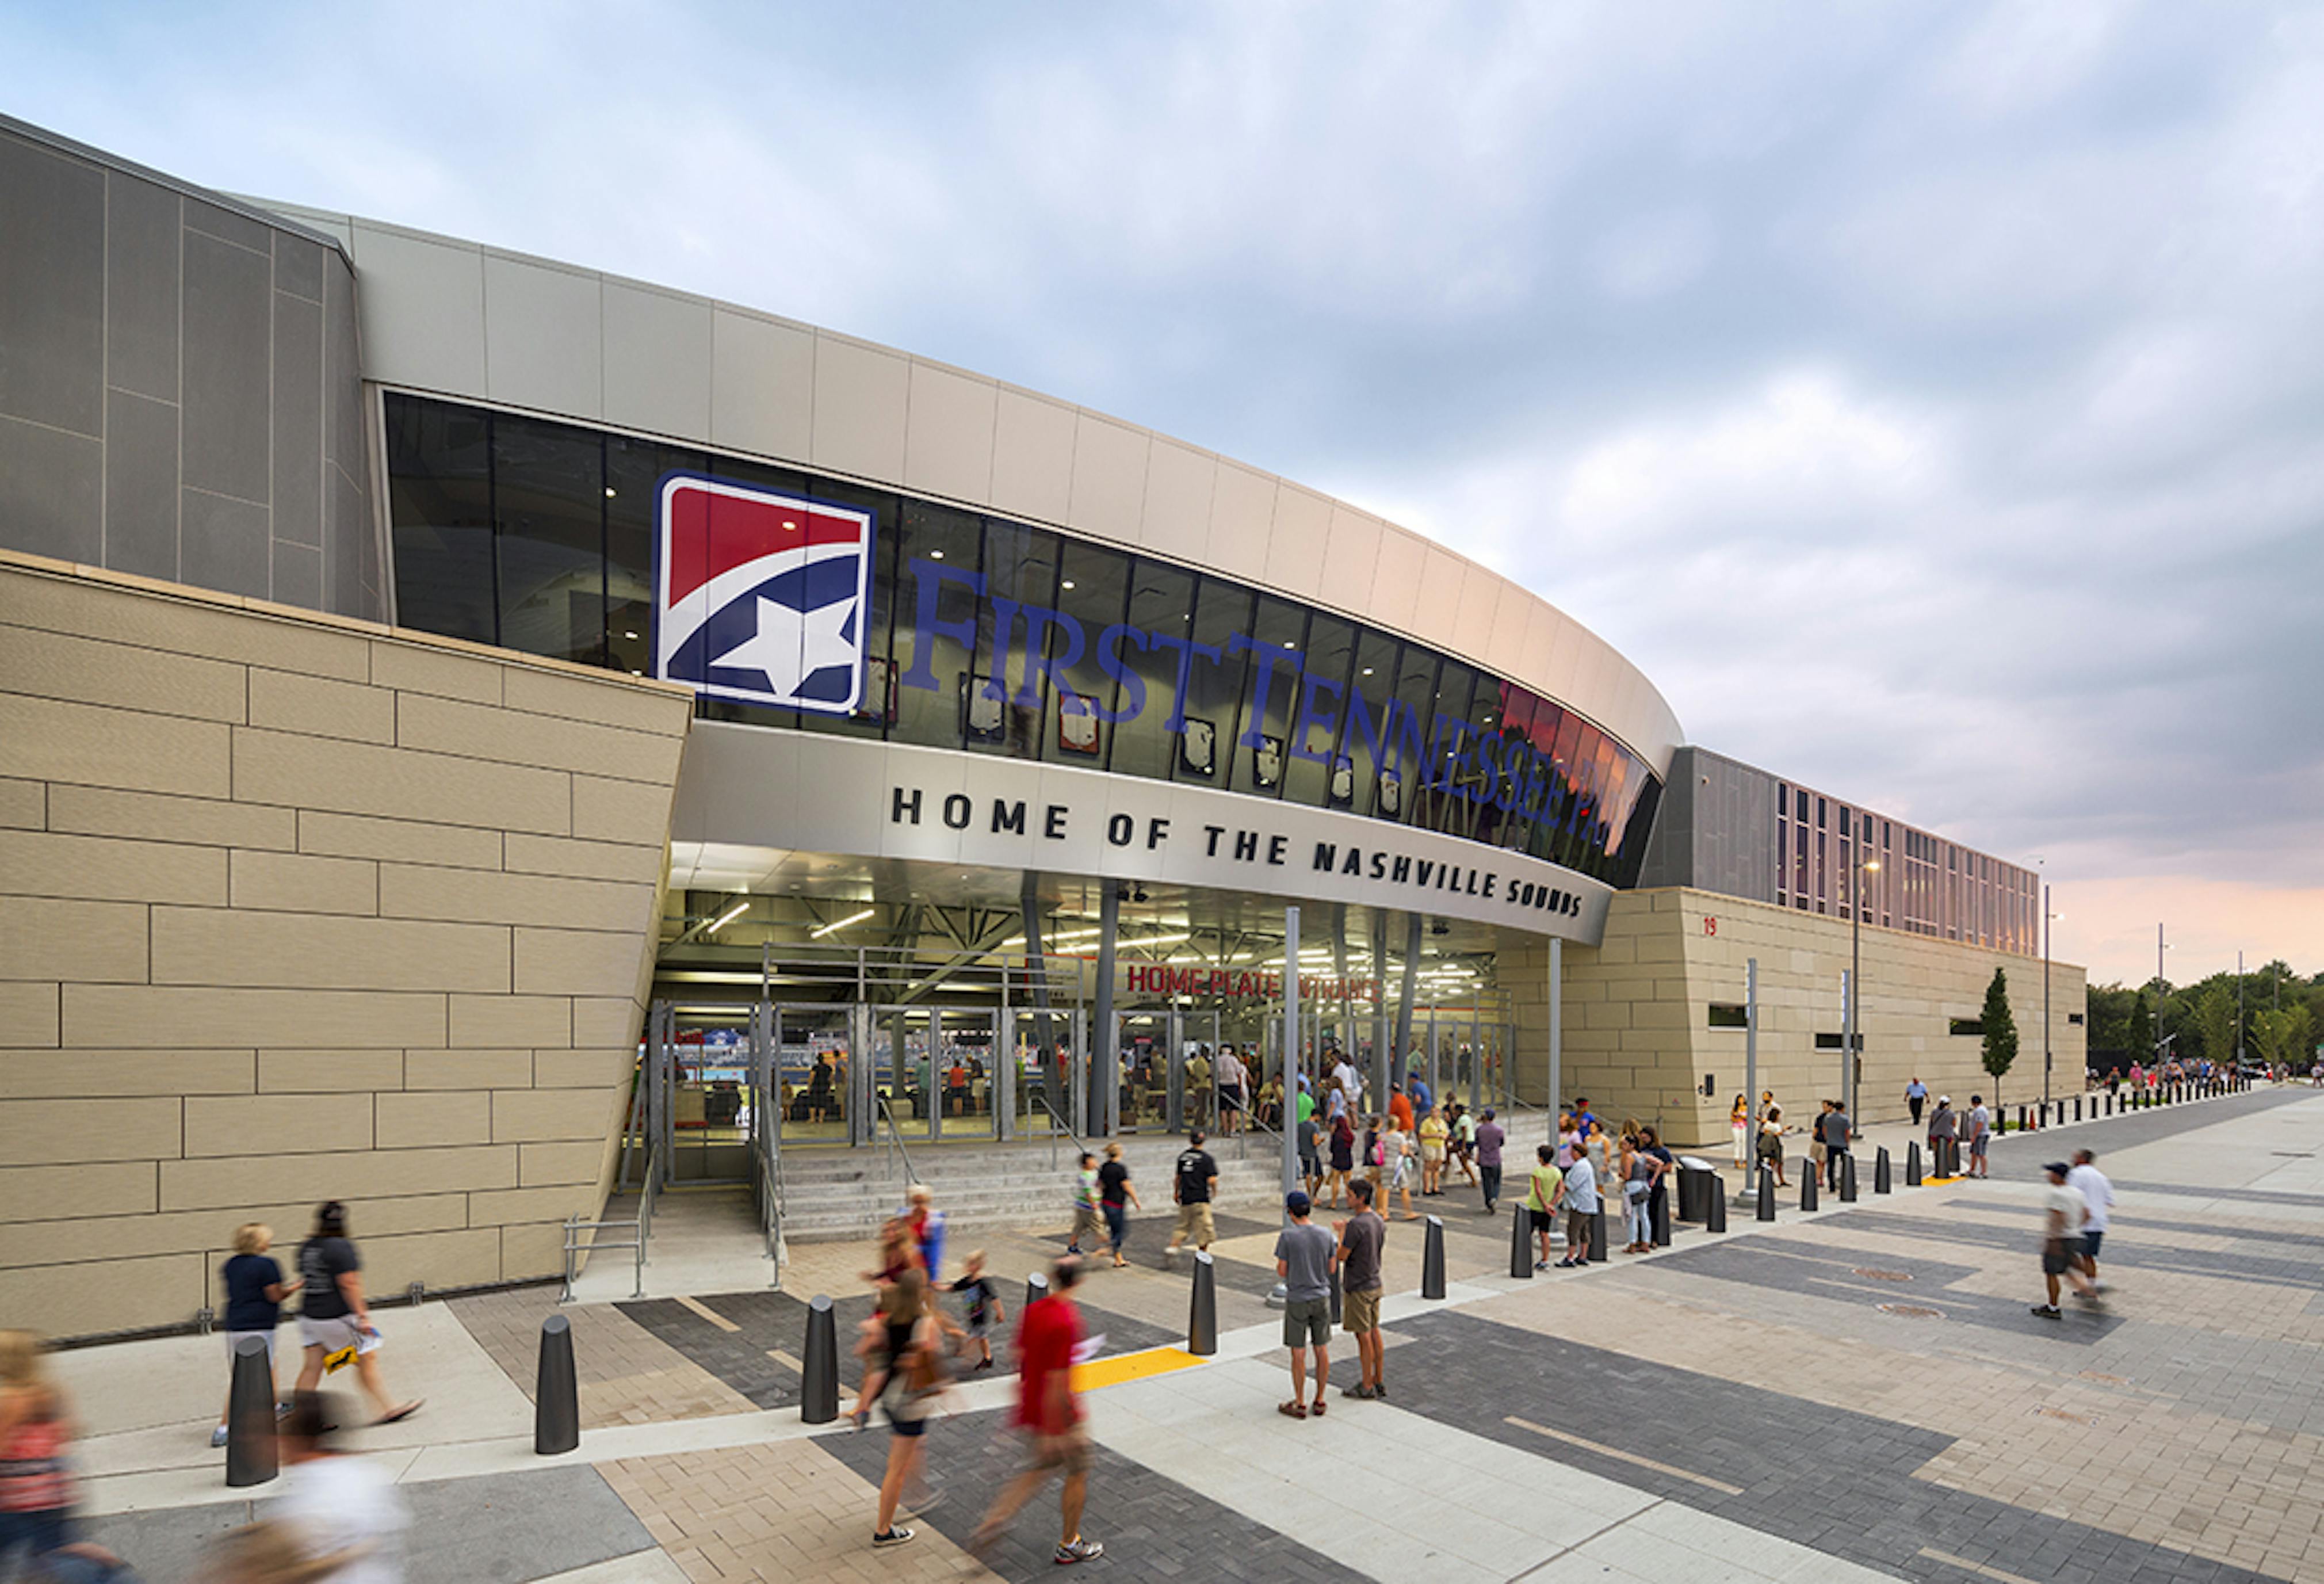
[(821, 930)]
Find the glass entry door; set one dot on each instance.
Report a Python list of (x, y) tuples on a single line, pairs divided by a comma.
[(811, 1066), (1151, 1073)]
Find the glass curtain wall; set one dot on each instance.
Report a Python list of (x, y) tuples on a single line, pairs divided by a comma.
[(540, 536)]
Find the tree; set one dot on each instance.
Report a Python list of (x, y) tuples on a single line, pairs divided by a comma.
[(2142, 1030), (2000, 1032), (2284, 1036), (2215, 1020)]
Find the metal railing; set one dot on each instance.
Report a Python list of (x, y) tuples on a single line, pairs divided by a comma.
[(1057, 1125), (767, 1189), (898, 1155), (639, 1228)]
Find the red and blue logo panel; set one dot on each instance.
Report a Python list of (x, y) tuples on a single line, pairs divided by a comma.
[(761, 596)]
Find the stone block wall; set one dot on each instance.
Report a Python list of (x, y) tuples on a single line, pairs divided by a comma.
[(296, 907)]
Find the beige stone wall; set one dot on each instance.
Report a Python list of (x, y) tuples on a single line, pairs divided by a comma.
[(1636, 1012), (293, 907)]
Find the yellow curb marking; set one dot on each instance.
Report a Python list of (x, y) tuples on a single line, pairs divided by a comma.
[(1130, 1367), (1589, 1446)]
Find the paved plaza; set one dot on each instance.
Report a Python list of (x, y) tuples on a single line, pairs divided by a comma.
[(1858, 1394)]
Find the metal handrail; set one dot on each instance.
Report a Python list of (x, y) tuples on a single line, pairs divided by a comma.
[(1058, 1124), (895, 1140), (769, 1186)]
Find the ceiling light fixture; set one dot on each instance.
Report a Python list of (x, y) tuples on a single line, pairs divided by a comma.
[(729, 916), (817, 934)]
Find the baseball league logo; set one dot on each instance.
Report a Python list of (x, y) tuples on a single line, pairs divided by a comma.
[(761, 596)]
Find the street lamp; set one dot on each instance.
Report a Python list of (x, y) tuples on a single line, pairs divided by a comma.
[(2160, 987), (1863, 866), (2046, 917)]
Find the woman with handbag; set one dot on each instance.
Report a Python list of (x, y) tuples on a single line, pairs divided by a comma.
[(905, 1349), (1771, 1143)]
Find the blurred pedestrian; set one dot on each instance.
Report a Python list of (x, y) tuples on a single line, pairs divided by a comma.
[(1050, 1417), (37, 1489), (983, 1307), (2064, 1217), (1342, 1138), (272, 1552), (926, 1225), (1464, 1141), (337, 1503), (1397, 1155), (254, 1291), (1838, 1131), (335, 1323), (1087, 1223), (2097, 1203), (1490, 1138), (905, 1352), (1916, 1095)]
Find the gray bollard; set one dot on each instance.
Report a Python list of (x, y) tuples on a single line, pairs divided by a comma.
[(1714, 1209), (1913, 1164), (1848, 1177), (1037, 1287), (250, 1415), (1334, 1294), (1599, 1253), (2077, 1107), (1658, 1220), (1203, 1312), (1431, 1260), (555, 1395), (1880, 1183), (1765, 1198), (819, 1372), (1808, 1187), (1520, 1242)]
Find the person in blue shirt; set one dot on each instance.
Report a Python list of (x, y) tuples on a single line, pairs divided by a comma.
[(254, 1291), (1583, 1115), (1418, 1092)]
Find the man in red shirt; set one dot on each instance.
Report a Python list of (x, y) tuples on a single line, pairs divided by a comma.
[(1050, 1417)]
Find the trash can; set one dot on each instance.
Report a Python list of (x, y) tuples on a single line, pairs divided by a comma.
[(1698, 1184)]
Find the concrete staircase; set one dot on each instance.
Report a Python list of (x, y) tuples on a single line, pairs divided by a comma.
[(833, 1195)]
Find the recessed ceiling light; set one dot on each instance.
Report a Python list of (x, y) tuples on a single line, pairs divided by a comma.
[(609, 492), (936, 555), (1368, 670), (629, 635), (1287, 643), (1067, 584)]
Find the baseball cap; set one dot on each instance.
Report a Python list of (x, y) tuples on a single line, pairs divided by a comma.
[(2059, 1167), (1297, 1203)]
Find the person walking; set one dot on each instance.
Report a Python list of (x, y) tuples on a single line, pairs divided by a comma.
[(1650, 1140), (337, 1502), (1343, 1153), (1839, 1133), (1771, 1142), (1544, 1185), (1739, 1118), (1979, 1127), (1049, 1414), (1398, 1154), (1232, 1077), (1399, 1106), (1087, 1222), (2097, 1202), (1194, 1181), (984, 1309), (254, 1291), (1489, 1139), (1916, 1095), (1116, 1195), (1304, 1252), (1583, 1204), (1464, 1141), (1311, 1158), (926, 1225), (1363, 1236), (1434, 1135), (335, 1317), (1198, 1086), (2065, 1214), (37, 1489), (906, 1347)]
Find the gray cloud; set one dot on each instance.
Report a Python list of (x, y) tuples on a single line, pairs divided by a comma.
[(1924, 395)]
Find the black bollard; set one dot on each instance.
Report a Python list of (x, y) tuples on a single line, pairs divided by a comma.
[(1599, 1253), (1037, 1287), (819, 1372), (1808, 1187), (1658, 1220), (1333, 1294), (1848, 1177), (250, 1415), (1880, 1170), (1520, 1242), (1714, 1209), (1764, 1200), (1203, 1312), (555, 1395), (2077, 1107), (1912, 1164), (1431, 1260)]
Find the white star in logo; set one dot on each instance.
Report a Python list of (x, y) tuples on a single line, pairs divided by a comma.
[(791, 646)]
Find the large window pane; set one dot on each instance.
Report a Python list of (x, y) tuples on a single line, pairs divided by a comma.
[(1161, 606), (1092, 594), (633, 469), (548, 510), (441, 501), (1262, 742), (938, 555)]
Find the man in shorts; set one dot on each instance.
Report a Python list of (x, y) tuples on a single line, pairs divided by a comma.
[(2097, 1203), (1195, 1179), (1581, 1210), (1544, 1185), (2065, 1213), (1304, 1252), (1050, 1416), (1979, 1126), (1361, 1237)]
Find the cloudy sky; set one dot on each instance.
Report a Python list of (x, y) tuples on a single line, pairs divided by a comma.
[(1929, 397)]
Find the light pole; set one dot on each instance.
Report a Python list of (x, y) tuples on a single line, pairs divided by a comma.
[(1855, 974), (2159, 991), (2239, 1012), (2046, 917)]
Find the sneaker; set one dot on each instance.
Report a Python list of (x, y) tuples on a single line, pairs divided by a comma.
[(1543, 1265), (1380, 1391), (895, 1536), (218, 1436), (1360, 1394), (1567, 1265), (2049, 1311), (1077, 1551)]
